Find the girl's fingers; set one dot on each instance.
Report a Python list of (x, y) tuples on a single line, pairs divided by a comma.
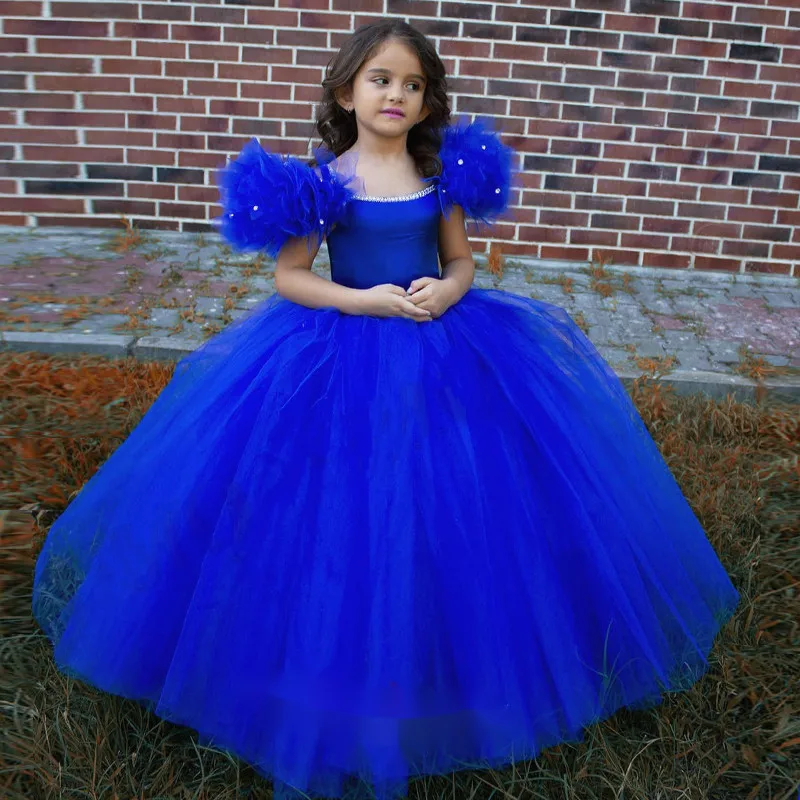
[(421, 296), (413, 311)]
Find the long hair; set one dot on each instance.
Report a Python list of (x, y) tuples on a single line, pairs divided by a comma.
[(337, 128)]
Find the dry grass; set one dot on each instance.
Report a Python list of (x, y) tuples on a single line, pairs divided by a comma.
[(734, 735)]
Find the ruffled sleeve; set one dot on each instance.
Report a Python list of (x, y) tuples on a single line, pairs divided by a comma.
[(267, 199), (477, 171)]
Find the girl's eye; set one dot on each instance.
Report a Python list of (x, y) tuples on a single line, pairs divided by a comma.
[(413, 84)]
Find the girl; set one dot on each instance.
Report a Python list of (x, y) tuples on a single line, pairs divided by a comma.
[(385, 525)]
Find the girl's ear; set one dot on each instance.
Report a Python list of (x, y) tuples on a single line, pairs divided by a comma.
[(344, 97)]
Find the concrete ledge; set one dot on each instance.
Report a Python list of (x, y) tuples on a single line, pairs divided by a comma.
[(719, 384), (172, 348), (163, 348), (66, 343)]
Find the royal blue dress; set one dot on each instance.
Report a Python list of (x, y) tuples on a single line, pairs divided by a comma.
[(351, 549)]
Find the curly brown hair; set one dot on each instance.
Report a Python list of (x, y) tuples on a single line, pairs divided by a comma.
[(337, 128)]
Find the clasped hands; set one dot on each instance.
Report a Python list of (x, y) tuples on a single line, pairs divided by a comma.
[(423, 301)]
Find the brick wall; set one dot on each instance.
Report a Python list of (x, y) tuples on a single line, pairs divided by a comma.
[(656, 132)]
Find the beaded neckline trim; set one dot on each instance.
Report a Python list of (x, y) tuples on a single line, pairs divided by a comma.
[(373, 199)]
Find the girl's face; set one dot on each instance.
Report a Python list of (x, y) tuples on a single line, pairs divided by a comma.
[(388, 91)]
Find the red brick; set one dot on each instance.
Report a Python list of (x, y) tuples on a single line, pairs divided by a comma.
[(465, 48), (118, 102), (141, 30), (717, 264), (39, 205), (566, 253), (189, 69), (211, 88), (627, 152), (71, 66), (745, 249), (235, 108), (743, 70), (644, 241), (150, 156), (665, 260), (256, 36), (158, 86), (307, 75), (267, 55), (272, 17), (662, 136), (665, 225), (487, 69), (180, 141), (168, 11), (779, 74), (278, 110), (82, 83), (130, 66), (275, 91), (714, 11), (673, 191), (519, 52), (152, 191), (779, 199), (243, 72), (54, 27), (593, 237), (213, 52), (204, 160), (617, 256), (37, 100), (124, 137), (695, 244), (18, 8), (551, 235), (759, 91), (198, 194), (101, 10), (630, 23), (702, 48), (772, 267), (151, 49), (180, 105), (754, 127), (785, 129), (95, 155), (762, 216), (10, 45), (204, 124), (572, 55), (75, 119)]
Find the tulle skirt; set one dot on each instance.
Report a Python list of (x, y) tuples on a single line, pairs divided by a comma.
[(347, 548)]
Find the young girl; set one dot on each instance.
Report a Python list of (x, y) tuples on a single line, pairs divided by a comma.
[(385, 525)]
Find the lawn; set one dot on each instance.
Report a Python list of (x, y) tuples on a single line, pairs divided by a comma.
[(734, 735)]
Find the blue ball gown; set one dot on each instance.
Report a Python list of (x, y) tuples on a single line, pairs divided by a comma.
[(354, 550)]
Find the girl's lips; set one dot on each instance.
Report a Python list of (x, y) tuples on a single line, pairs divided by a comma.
[(393, 114)]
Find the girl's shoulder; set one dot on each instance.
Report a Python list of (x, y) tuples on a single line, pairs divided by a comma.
[(267, 198), (477, 170)]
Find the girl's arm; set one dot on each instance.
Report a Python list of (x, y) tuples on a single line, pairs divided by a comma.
[(295, 281), (458, 266), (436, 295)]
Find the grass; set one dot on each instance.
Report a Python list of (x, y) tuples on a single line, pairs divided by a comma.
[(735, 735)]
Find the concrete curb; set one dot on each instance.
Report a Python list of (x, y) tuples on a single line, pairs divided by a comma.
[(158, 348)]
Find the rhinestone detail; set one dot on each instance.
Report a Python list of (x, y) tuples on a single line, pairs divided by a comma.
[(373, 199)]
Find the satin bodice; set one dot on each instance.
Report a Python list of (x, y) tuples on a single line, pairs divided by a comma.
[(387, 240)]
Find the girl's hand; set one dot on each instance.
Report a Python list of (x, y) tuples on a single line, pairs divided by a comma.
[(387, 300), (435, 295)]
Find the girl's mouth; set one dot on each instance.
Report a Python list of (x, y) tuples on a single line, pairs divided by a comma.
[(394, 114)]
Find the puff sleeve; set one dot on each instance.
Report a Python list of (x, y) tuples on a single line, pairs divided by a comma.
[(267, 199), (477, 171)]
